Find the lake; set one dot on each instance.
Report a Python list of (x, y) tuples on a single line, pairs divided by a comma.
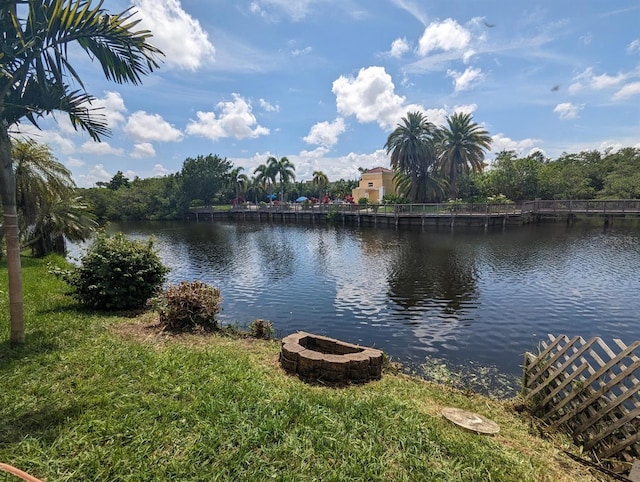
[(446, 304)]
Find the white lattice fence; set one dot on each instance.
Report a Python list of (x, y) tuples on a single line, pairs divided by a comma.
[(591, 391)]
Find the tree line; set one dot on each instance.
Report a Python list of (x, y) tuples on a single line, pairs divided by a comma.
[(205, 181), (51, 208)]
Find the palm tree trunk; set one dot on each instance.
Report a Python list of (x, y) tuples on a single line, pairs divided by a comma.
[(8, 196), (452, 180)]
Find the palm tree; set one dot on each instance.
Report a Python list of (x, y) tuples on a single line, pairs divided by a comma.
[(39, 177), (461, 148), (255, 187), (34, 75), (285, 170), (265, 175), (432, 186), (238, 181), (412, 149), (45, 197), (320, 180), (60, 220)]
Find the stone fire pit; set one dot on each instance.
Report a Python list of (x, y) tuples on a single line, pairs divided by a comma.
[(319, 358)]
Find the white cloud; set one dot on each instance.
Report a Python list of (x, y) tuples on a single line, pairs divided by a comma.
[(184, 42), (269, 107), (100, 149), (468, 55), (326, 133), (627, 91), (586, 39), (297, 10), (160, 170), (435, 116), (111, 106), (143, 149), (412, 8), (73, 162), (634, 46), (446, 35), (370, 97), (44, 136), (465, 109), (343, 167), (300, 52), (307, 161), (235, 120), (465, 80), (503, 143), (145, 127), (64, 125), (96, 174), (567, 110), (399, 47), (587, 79)]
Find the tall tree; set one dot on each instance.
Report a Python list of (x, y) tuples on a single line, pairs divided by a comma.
[(204, 177), (461, 148), (238, 182), (413, 153), (255, 189), (284, 170), (35, 71), (117, 181), (320, 180), (266, 176)]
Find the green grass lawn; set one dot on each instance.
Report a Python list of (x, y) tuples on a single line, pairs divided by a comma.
[(98, 397)]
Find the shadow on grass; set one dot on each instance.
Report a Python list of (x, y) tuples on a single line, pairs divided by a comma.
[(36, 343), (92, 312), (42, 423), (26, 262)]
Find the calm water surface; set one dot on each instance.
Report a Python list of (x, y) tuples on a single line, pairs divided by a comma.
[(470, 298)]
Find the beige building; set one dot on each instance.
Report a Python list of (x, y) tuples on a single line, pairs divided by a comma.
[(374, 184)]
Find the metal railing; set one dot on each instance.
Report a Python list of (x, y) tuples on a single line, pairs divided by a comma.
[(580, 206)]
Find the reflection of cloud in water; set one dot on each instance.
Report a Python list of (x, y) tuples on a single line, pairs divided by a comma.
[(362, 287), (435, 332), (365, 301)]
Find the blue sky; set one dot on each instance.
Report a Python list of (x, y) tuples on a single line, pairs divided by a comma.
[(324, 82)]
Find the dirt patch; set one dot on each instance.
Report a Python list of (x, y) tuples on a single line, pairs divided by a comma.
[(147, 329)]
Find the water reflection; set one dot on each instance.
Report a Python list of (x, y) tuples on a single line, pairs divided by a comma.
[(467, 296)]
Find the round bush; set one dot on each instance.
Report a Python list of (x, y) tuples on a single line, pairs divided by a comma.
[(118, 273)]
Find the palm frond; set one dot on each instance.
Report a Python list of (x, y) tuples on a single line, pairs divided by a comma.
[(34, 61)]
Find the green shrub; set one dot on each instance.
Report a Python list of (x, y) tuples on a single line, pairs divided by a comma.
[(394, 199), (116, 273), (261, 329), (363, 201), (188, 305)]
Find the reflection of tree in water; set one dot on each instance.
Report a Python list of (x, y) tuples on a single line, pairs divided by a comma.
[(437, 275), (209, 246), (277, 255), (526, 249)]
